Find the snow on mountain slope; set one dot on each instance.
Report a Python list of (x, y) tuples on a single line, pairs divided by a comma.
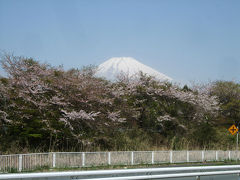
[(116, 66)]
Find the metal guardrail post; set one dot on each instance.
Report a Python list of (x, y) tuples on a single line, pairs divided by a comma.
[(216, 155), (20, 163), (83, 159), (53, 160), (171, 156), (202, 156), (109, 158), (132, 158), (152, 157), (187, 156)]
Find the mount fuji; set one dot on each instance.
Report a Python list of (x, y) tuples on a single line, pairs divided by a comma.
[(116, 66)]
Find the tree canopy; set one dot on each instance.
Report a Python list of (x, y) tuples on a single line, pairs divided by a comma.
[(48, 108)]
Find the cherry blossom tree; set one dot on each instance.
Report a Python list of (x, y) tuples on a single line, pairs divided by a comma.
[(49, 105)]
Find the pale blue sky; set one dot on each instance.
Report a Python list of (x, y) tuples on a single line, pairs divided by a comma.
[(188, 40)]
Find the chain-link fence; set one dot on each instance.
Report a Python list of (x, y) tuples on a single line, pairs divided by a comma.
[(28, 162)]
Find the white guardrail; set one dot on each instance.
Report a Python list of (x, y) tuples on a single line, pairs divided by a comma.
[(127, 174), (29, 162)]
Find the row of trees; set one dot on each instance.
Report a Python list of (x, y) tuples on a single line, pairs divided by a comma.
[(48, 108)]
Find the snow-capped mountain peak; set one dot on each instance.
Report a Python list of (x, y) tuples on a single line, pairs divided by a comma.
[(129, 66)]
